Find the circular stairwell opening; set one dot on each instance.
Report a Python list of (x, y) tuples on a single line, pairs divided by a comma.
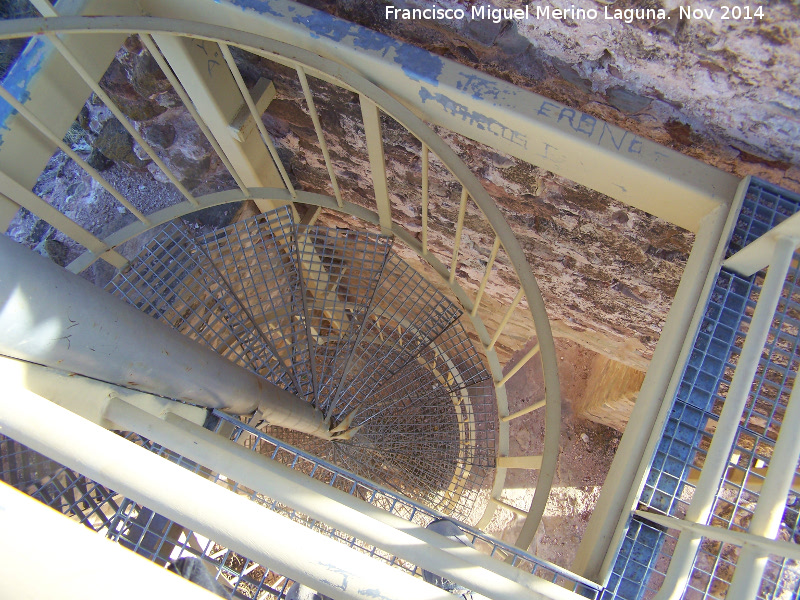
[(315, 337), (335, 317)]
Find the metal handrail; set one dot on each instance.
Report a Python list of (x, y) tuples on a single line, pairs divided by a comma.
[(401, 505), (308, 62)]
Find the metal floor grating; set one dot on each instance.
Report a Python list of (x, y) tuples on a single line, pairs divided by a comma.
[(437, 411), (341, 270), (257, 258), (335, 317), (406, 315), (646, 550), (175, 282), (162, 541)]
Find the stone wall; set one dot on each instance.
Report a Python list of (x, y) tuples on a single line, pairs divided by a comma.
[(611, 392), (607, 272), (723, 93)]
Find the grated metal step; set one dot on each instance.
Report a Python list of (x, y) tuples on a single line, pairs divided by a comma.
[(333, 316)]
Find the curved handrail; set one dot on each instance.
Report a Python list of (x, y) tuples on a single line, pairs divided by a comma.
[(344, 77)]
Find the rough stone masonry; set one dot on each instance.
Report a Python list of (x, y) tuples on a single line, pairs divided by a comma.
[(715, 82), (723, 91)]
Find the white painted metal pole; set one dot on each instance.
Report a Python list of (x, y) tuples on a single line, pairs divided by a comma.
[(231, 520), (77, 562), (621, 489), (716, 460), (729, 536), (767, 517), (52, 317), (459, 563)]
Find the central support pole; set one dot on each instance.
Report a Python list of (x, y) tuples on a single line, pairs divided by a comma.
[(52, 317)]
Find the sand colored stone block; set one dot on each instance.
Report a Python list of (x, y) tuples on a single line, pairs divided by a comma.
[(611, 392)]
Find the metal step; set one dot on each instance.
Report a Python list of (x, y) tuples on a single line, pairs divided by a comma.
[(334, 317)]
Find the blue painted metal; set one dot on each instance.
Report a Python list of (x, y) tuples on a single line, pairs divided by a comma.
[(418, 64), (20, 75), (636, 562)]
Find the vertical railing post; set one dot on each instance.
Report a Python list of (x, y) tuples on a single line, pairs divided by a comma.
[(606, 527)]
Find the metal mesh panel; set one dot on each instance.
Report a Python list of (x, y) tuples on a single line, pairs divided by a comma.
[(641, 562), (432, 451), (688, 432), (427, 449), (341, 270), (134, 526), (20, 466), (163, 541), (390, 501), (406, 315), (451, 360), (706, 379), (334, 317), (428, 432)]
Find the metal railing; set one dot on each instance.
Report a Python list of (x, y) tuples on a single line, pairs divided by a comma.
[(718, 514), (474, 203), (702, 555), (390, 501), (163, 541)]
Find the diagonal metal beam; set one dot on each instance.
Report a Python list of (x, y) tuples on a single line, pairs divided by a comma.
[(756, 255), (209, 84), (30, 201)]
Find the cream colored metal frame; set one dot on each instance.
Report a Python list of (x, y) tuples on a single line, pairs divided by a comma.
[(413, 86), (371, 98), (244, 526), (759, 542)]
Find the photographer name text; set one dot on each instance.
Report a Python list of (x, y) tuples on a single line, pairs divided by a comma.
[(608, 13)]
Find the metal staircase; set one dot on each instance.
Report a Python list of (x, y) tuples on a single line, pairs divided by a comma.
[(290, 402), (336, 318)]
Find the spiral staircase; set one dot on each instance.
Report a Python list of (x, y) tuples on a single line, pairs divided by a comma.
[(335, 317), (351, 367), (289, 402)]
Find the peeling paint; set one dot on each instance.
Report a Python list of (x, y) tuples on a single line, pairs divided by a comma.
[(482, 88), (261, 6), (416, 63), (19, 77), (371, 593)]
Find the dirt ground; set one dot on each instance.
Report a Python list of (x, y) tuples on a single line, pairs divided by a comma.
[(586, 452)]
